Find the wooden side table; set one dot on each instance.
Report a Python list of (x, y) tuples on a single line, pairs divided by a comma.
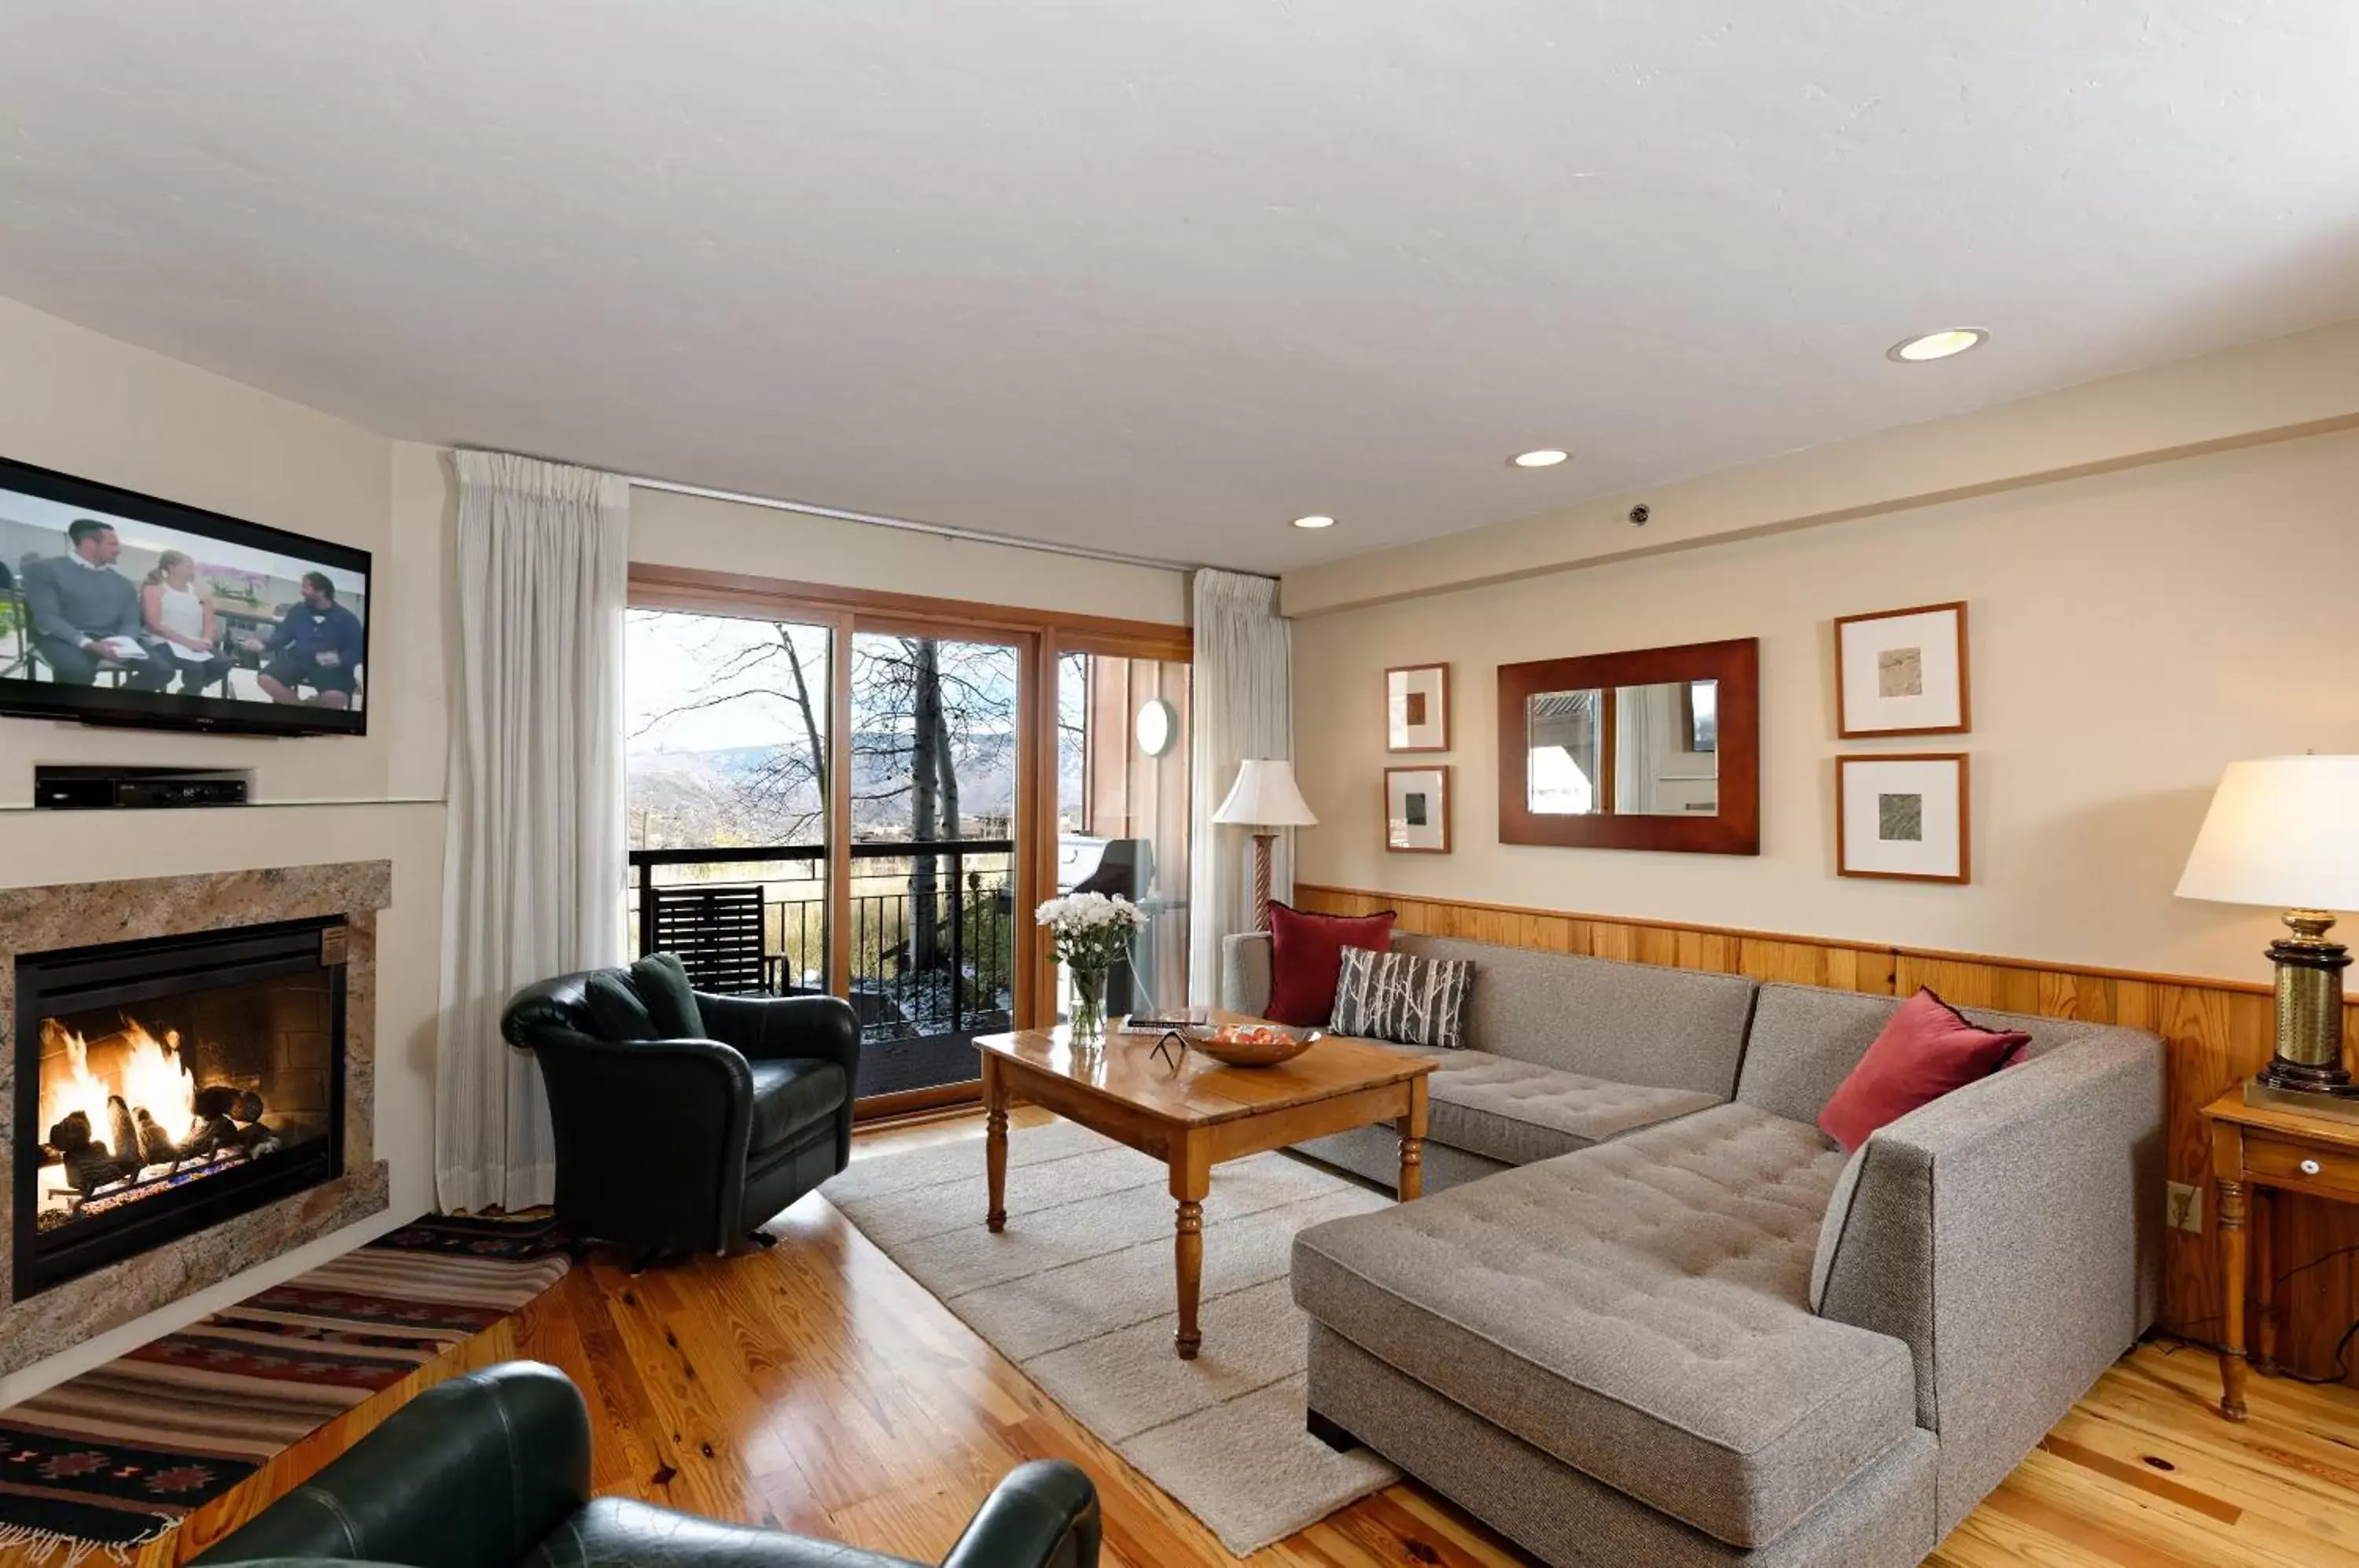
[(2258, 1151)]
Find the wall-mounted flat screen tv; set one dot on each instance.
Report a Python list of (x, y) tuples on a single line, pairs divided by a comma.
[(118, 608)]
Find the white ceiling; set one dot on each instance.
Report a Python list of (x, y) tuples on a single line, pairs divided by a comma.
[(1157, 278)]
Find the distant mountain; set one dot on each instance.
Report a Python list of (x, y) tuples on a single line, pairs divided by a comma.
[(690, 799)]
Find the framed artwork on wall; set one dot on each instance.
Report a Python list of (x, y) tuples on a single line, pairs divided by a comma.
[(1416, 708), (1416, 809), (1903, 817), (1902, 672)]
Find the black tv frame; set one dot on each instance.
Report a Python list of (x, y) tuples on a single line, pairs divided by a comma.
[(172, 710)]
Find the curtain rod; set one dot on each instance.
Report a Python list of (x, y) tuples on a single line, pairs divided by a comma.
[(941, 531)]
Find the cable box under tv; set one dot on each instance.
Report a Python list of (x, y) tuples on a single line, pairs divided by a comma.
[(62, 788)]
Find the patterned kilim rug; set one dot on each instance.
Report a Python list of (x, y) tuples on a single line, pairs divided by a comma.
[(118, 1457)]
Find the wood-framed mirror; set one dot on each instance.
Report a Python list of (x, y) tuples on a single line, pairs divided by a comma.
[(1656, 748)]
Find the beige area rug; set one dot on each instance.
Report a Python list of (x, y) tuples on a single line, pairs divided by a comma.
[(1078, 1292)]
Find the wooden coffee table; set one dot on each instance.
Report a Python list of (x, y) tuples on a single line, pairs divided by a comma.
[(1197, 1114)]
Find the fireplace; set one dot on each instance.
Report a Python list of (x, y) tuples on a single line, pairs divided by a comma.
[(164, 1086)]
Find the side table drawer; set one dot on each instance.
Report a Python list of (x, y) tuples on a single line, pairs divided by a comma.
[(2294, 1166)]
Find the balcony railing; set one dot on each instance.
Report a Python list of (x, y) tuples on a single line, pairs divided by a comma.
[(932, 938)]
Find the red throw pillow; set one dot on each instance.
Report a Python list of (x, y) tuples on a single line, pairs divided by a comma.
[(1925, 1050), (1306, 951)]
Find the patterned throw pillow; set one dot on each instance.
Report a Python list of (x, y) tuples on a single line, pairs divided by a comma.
[(1402, 998)]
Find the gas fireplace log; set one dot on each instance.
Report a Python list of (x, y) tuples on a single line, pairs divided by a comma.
[(89, 1167), (255, 1139), (72, 1135), (217, 1134), (123, 1135), (228, 1100), (155, 1146)]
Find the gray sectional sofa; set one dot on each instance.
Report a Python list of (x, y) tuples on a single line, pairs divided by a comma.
[(1648, 1313)]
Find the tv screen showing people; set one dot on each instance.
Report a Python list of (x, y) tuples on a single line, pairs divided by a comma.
[(124, 607)]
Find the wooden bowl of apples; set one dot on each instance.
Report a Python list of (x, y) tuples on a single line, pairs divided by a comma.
[(1253, 1044)]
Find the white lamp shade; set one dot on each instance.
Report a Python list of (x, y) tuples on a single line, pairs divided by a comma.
[(1264, 797), (2283, 832)]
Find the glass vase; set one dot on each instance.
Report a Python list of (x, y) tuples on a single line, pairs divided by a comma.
[(1089, 1006)]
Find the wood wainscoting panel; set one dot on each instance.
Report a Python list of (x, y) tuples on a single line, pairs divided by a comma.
[(2216, 1033)]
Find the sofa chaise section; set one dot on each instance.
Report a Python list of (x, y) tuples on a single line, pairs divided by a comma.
[(1640, 1313)]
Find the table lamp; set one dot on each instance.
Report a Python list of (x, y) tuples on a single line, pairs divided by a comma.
[(1264, 798), (2284, 831)]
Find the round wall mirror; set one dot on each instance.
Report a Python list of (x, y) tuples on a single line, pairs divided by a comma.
[(1155, 726)]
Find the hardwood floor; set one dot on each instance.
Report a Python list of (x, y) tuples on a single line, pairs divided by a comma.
[(817, 1387)]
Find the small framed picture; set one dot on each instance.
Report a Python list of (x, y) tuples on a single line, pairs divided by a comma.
[(1902, 672), (1416, 809), (1416, 708), (1903, 817)]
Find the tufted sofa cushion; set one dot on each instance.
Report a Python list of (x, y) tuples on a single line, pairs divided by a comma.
[(1638, 1311), (1520, 1112)]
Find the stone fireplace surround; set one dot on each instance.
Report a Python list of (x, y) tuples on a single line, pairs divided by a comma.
[(82, 914)]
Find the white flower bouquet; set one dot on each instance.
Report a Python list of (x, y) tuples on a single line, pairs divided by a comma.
[(1091, 930), (1092, 933)]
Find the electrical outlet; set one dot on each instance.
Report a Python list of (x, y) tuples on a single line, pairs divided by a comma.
[(2185, 1206)]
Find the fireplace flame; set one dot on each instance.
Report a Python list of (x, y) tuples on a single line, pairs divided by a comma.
[(144, 1071)]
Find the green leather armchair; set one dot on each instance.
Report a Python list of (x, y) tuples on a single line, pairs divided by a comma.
[(492, 1469), (688, 1145)]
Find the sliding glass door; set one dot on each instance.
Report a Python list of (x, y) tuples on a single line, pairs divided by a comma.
[(729, 721), (866, 795), (1123, 728), (937, 813)]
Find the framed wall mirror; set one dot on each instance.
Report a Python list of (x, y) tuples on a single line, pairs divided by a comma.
[(1656, 748)]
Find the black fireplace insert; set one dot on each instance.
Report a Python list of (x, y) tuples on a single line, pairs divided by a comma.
[(164, 1086)]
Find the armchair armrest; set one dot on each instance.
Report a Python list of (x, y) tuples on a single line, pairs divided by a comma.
[(471, 1474), (772, 1029), (1043, 1515), (647, 1127), (2011, 1233), (768, 1029)]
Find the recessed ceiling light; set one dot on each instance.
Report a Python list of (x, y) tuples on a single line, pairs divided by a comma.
[(1937, 346), (1545, 457), (1315, 520)]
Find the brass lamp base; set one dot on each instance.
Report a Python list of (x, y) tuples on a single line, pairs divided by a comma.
[(2308, 1058)]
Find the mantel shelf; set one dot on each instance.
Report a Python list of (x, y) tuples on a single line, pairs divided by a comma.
[(28, 806)]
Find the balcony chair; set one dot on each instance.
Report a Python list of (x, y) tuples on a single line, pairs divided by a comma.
[(493, 1468), (716, 929), (684, 1120)]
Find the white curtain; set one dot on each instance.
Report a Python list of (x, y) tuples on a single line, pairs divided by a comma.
[(1243, 707), (1645, 723), (533, 869)]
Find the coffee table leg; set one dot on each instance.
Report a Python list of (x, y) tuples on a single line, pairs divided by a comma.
[(994, 1143), (1188, 1251), (1412, 1145), (1191, 1180)]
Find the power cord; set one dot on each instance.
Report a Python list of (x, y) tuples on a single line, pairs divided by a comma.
[(2342, 1345)]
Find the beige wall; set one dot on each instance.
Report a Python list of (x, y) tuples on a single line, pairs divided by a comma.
[(2132, 632), (672, 529), (2304, 382), (90, 406)]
